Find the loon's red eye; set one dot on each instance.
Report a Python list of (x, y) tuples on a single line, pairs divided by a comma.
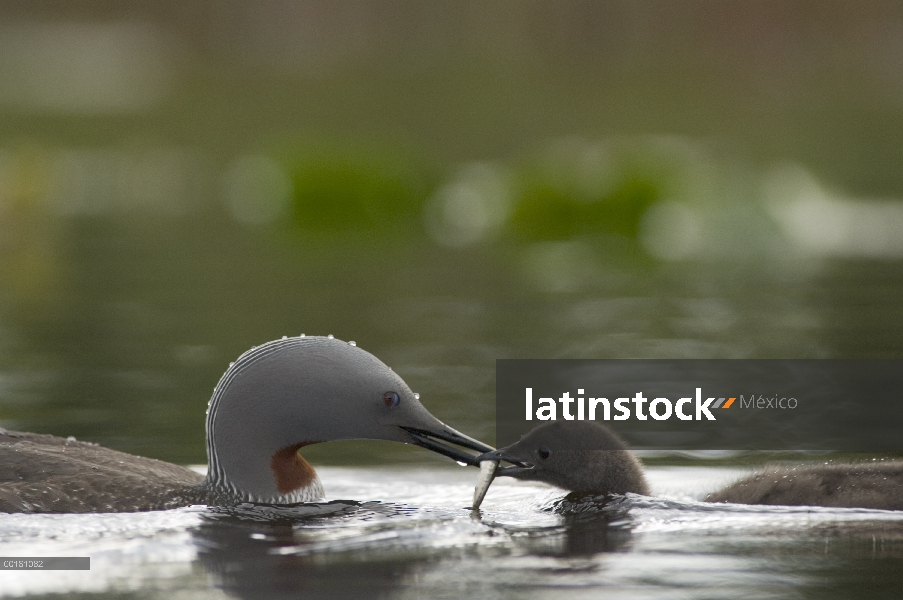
[(544, 453), (391, 399)]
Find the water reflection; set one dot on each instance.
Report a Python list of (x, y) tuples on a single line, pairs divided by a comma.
[(589, 525), (349, 548), (257, 552), (619, 544)]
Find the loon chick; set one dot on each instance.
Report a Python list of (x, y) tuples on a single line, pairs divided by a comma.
[(275, 399), (875, 484), (583, 456), (578, 456)]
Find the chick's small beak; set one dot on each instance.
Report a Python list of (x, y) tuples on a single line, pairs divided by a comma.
[(493, 455), (517, 465)]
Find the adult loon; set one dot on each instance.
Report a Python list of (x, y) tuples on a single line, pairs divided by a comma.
[(274, 400)]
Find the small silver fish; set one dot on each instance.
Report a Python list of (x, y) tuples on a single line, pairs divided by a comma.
[(487, 474)]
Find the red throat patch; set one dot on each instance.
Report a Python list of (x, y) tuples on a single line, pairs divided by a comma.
[(291, 470)]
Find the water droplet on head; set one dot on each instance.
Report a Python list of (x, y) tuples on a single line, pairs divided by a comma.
[(285, 337), (330, 336), (463, 464), (231, 364), (302, 335), (352, 343), (416, 396)]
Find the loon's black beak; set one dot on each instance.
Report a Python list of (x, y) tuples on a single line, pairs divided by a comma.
[(425, 439)]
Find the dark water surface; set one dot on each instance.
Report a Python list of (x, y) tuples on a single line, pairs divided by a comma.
[(121, 334)]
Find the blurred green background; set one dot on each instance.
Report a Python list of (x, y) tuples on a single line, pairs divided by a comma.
[(445, 183)]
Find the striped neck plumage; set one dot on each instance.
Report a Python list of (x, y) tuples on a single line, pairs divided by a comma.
[(278, 473)]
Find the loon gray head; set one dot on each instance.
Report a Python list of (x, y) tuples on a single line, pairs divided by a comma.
[(579, 456), (289, 393)]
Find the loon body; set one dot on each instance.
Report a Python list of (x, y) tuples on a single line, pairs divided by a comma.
[(872, 484)]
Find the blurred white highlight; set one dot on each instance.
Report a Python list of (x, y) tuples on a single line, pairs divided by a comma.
[(825, 224), (470, 208)]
